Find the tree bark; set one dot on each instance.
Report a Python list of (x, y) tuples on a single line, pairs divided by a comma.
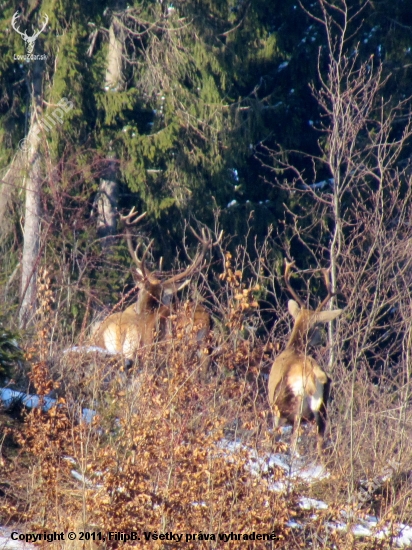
[(32, 218), (107, 197)]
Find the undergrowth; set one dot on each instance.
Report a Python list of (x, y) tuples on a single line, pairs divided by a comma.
[(169, 446)]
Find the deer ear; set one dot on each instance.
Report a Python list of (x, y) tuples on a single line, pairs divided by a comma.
[(328, 315), (293, 308)]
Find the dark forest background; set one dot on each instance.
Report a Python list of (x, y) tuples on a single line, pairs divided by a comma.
[(280, 120)]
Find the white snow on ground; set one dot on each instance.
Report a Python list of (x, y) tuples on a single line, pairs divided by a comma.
[(310, 503), (31, 401), (404, 537), (6, 543), (89, 349), (298, 469)]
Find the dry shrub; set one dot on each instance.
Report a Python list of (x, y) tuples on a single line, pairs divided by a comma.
[(166, 469), (169, 449), (158, 466), (155, 457), (49, 437)]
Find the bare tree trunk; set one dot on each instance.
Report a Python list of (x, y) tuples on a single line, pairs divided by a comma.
[(107, 200), (114, 73), (108, 194), (32, 217)]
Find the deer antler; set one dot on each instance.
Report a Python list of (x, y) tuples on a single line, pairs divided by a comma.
[(206, 242), (132, 218), (288, 267), (326, 276), (128, 219), (28, 39)]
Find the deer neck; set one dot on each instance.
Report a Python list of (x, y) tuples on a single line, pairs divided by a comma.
[(298, 340), (147, 303)]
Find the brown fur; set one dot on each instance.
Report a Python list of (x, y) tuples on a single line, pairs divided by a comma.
[(298, 388), (132, 331), (144, 322)]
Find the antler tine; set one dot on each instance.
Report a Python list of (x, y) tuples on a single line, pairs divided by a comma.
[(206, 241), (326, 276), (130, 247), (33, 38), (288, 267), (128, 218), (219, 239), (205, 235), (45, 23), (141, 263)]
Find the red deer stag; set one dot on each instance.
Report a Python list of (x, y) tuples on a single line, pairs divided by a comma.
[(298, 387), (146, 320)]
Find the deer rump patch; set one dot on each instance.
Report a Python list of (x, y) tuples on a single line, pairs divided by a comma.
[(298, 392)]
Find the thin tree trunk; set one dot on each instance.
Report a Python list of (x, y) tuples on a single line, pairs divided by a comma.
[(107, 198), (32, 217)]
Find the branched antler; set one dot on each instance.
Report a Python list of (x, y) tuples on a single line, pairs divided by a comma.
[(288, 267), (206, 242), (132, 218), (326, 276)]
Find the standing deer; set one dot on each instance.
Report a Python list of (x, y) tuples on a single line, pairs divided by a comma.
[(146, 320), (298, 387)]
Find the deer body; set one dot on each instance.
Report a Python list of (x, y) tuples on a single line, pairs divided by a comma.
[(127, 331), (146, 321), (298, 388)]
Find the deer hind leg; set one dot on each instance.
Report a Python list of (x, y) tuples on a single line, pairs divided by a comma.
[(296, 425), (321, 418), (295, 436), (277, 422)]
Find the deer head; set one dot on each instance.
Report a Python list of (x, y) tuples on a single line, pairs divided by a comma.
[(28, 39), (305, 329), (154, 290)]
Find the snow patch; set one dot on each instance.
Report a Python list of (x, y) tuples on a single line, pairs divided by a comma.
[(283, 65), (89, 349), (8, 397)]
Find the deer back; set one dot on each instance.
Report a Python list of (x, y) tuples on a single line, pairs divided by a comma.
[(298, 388), (295, 364)]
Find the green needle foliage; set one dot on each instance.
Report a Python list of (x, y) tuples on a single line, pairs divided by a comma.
[(10, 352)]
